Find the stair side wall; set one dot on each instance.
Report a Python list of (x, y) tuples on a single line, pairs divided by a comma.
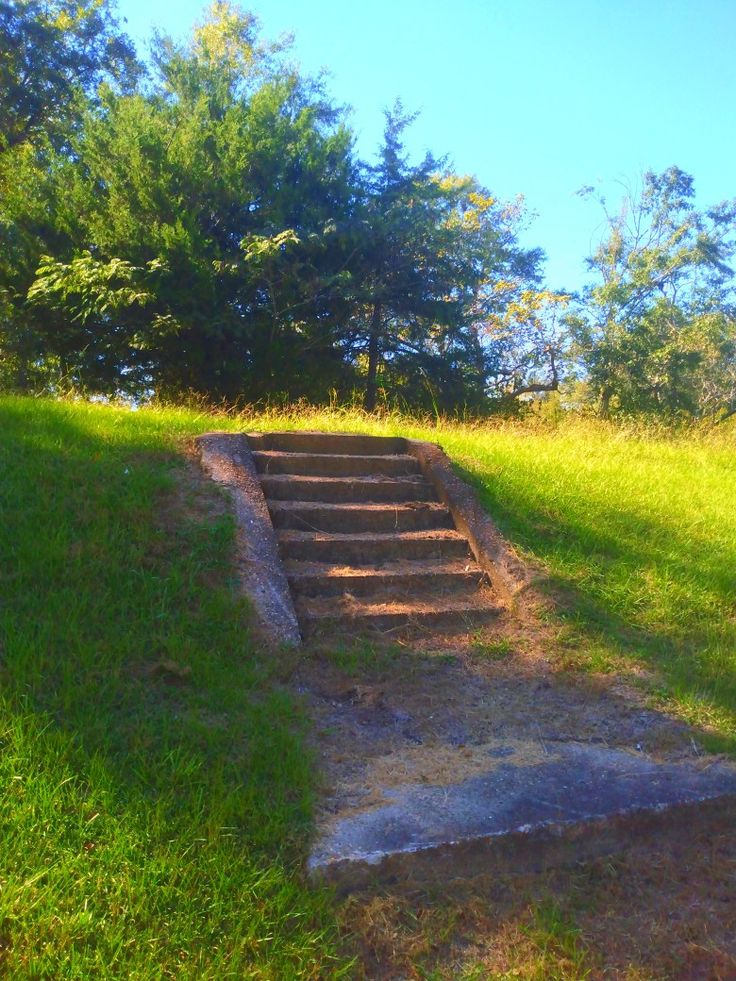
[(507, 572), (227, 459)]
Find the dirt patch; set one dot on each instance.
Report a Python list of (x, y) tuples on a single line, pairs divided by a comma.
[(390, 714), (432, 710), (663, 911), (192, 498)]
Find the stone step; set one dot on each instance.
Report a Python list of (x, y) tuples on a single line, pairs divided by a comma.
[(331, 443), (380, 612), (335, 464), (285, 487), (355, 518), (369, 548), (534, 806), (404, 579)]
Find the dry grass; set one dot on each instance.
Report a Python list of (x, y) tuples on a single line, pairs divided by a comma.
[(664, 910)]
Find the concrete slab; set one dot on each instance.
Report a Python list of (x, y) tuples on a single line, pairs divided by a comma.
[(328, 443), (534, 806), (508, 573), (365, 489), (334, 464), (383, 612), (358, 518), (404, 579), (368, 548)]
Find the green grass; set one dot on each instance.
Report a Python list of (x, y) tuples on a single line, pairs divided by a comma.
[(154, 818), (637, 536)]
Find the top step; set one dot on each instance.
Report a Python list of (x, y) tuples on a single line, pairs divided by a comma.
[(330, 443), (334, 464)]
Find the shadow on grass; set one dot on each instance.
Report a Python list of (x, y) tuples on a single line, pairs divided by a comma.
[(159, 793), (604, 581)]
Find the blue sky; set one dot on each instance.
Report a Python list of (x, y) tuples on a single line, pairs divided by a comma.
[(534, 97)]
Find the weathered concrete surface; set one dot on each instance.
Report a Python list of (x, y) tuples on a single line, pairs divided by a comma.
[(507, 573), (336, 490), (441, 544), (403, 579), (355, 591), (535, 806), (355, 444), (334, 464), (227, 459), (357, 517), (445, 611)]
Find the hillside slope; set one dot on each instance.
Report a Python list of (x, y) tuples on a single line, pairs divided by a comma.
[(156, 790)]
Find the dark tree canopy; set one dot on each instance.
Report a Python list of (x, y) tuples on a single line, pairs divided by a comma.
[(429, 244), (49, 51), (213, 232)]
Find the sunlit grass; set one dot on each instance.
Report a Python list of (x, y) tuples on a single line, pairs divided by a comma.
[(155, 822)]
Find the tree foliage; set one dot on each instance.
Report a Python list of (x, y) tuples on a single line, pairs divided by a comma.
[(658, 332), (217, 198), (430, 245), (209, 228), (50, 51), (214, 232)]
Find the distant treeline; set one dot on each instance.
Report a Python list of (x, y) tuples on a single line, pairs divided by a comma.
[(201, 223)]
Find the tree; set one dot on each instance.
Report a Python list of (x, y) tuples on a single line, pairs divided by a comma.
[(211, 231), (529, 341), (429, 244), (657, 332), (51, 50), (203, 249)]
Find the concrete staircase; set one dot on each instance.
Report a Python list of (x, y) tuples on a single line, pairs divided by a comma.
[(439, 770), (364, 540)]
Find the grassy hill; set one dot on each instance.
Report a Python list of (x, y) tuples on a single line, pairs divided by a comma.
[(156, 792)]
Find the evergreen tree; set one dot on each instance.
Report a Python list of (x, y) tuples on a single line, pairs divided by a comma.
[(207, 203), (431, 247), (50, 52)]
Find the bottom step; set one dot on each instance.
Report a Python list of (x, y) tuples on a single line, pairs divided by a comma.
[(530, 810), (439, 613)]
